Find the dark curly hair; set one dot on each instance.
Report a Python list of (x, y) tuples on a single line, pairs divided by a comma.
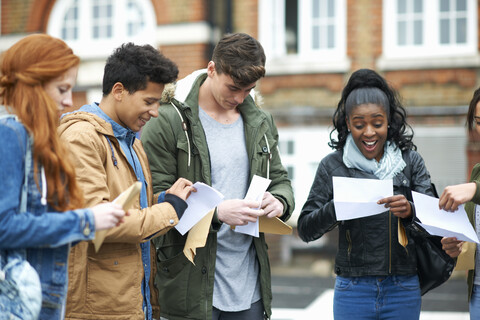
[(134, 66), (397, 131)]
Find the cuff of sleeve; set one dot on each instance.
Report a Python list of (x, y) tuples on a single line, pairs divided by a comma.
[(412, 218), (161, 197), (476, 196), (87, 227), (178, 204)]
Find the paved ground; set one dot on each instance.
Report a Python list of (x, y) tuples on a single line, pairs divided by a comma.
[(300, 294)]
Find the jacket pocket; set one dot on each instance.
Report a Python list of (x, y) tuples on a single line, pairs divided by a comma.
[(185, 160), (114, 278), (172, 283)]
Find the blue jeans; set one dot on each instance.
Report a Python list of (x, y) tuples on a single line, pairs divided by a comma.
[(475, 303), (377, 297)]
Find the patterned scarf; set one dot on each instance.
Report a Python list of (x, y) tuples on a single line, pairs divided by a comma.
[(390, 164)]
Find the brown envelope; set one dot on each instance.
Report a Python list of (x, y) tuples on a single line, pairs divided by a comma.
[(273, 225), (197, 236), (402, 235), (466, 259), (126, 199)]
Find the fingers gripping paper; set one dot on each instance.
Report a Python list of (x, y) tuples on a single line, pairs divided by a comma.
[(126, 200)]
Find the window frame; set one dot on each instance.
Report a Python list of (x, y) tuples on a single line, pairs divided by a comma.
[(306, 60), (88, 47), (431, 54)]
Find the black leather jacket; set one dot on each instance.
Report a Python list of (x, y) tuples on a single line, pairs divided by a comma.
[(367, 246)]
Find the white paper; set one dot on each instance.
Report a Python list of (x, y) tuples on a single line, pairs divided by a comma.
[(443, 223), (199, 204), (257, 189), (356, 198)]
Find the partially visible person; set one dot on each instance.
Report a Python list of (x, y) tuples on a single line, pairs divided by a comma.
[(210, 129), (116, 282), (376, 275), (37, 76), (468, 193)]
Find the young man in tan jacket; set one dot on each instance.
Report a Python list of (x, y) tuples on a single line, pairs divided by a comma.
[(117, 281)]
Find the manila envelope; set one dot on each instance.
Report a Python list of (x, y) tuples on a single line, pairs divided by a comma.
[(126, 199), (466, 259), (273, 225)]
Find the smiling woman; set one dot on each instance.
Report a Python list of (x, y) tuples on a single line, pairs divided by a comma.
[(372, 142), (37, 76)]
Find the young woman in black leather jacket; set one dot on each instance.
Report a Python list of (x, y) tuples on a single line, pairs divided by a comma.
[(376, 275)]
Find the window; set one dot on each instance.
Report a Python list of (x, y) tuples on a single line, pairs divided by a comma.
[(426, 29), (93, 28), (303, 35)]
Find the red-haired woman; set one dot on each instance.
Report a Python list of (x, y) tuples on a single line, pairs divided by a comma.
[(36, 80)]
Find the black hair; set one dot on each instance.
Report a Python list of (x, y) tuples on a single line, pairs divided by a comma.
[(366, 78), (472, 108), (134, 66)]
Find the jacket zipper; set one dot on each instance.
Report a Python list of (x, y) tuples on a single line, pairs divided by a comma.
[(389, 242), (349, 240)]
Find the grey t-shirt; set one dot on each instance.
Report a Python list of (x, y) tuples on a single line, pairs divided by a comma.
[(236, 270)]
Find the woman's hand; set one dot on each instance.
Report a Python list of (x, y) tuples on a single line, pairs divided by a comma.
[(452, 246), (453, 196), (107, 215), (398, 205)]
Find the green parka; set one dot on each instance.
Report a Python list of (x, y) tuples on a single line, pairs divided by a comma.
[(470, 209), (176, 147)]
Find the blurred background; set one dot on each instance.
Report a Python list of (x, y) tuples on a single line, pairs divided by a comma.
[(427, 49)]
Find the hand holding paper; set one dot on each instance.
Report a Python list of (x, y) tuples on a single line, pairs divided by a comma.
[(273, 225), (126, 200), (257, 188), (440, 222), (199, 204)]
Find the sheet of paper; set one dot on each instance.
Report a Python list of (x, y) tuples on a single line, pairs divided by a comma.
[(199, 204), (440, 222), (257, 189), (357, 198), (126, 199)]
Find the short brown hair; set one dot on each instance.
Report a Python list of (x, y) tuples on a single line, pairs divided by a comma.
[(240, 56)]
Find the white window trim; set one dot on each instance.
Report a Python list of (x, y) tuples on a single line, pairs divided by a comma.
[(432, 54), (306, 61), (89, 48)]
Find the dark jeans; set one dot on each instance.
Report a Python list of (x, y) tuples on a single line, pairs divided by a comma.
[(254, 313)]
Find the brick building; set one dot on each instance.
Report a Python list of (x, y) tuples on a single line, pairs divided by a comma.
[(427, 49)]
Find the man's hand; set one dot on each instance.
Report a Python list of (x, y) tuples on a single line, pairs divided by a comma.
[(452, 246), (398, 205), (237, 212), (181, 188), (271, 206), (453, 196)]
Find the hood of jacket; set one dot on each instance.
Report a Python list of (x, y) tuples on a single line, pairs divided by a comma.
[(180, 89), (90, 114)]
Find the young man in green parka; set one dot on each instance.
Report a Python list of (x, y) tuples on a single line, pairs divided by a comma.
[(210, 129)]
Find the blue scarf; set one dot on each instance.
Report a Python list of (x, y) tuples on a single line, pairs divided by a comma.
[(390, 164)]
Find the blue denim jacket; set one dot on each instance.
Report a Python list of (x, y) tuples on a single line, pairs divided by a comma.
[(45, 233)]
